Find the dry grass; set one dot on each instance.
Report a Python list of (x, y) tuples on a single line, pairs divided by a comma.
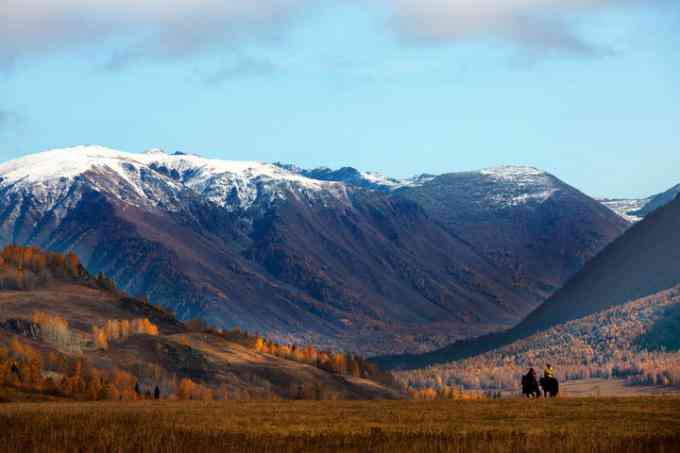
[(566, 425)]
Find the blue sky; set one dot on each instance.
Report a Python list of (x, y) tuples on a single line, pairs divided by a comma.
[(586, 89)]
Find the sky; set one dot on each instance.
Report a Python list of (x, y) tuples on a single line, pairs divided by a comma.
[(586, 89)]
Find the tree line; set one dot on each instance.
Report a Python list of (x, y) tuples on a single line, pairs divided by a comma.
[(28, 268)]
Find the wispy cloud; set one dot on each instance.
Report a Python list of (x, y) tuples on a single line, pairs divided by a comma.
[(538, 26), (170, 29), (150, 28)]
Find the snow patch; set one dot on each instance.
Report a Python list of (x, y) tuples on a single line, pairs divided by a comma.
[(624, 207), (520, 185)]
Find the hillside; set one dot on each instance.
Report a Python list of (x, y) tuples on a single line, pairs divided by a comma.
[(528, 223), (536, 229), (369, 268), (638, 342), (61, 329), (640, 263)]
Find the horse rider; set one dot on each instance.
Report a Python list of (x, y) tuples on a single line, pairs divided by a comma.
[(549, 372)]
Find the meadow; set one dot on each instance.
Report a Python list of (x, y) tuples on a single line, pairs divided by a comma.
[(648, 424)]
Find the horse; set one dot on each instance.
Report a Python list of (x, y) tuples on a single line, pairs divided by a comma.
[(530, 386), (550, 386)]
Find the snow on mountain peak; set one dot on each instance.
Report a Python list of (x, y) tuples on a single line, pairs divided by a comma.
[(521, 185), (513, 172), (232, 184), (155, 177), (57, 164), (238, 183)]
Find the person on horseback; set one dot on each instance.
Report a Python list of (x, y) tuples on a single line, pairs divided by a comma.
[(530, 384), (549, 383)]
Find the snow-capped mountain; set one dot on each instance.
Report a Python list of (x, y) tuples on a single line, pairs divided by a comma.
[(526, 221), (340, 257), (153, 177), (513, 185), (519, 185)]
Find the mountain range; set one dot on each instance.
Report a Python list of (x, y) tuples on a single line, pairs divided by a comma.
[(339, 258)]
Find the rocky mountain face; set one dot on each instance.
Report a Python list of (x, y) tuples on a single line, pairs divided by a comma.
[(382, 265), (538, 230), (642, 262)]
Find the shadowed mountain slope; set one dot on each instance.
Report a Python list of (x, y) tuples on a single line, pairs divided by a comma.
[(642, 262)]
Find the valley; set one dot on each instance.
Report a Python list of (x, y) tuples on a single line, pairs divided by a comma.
[(437, 267)]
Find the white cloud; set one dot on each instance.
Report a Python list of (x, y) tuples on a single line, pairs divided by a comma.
[(177, 28), (159, 28), (539, 25)]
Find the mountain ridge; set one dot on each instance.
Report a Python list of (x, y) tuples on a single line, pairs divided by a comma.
[(263, 247)]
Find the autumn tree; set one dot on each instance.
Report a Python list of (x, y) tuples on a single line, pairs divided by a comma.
[(186, 387)]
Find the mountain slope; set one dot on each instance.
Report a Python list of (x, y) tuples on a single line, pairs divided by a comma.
[(66, 318), (641, 262), (535, 228), (525, 221), (638, 342)]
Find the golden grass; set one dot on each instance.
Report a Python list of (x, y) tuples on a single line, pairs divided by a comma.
[(566, 425)]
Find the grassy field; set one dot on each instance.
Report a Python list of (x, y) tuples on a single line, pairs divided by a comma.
[(614, 388), (513, 425)]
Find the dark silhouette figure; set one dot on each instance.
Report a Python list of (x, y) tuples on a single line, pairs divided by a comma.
[(549, 383), (157, 393), (530, 385)]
